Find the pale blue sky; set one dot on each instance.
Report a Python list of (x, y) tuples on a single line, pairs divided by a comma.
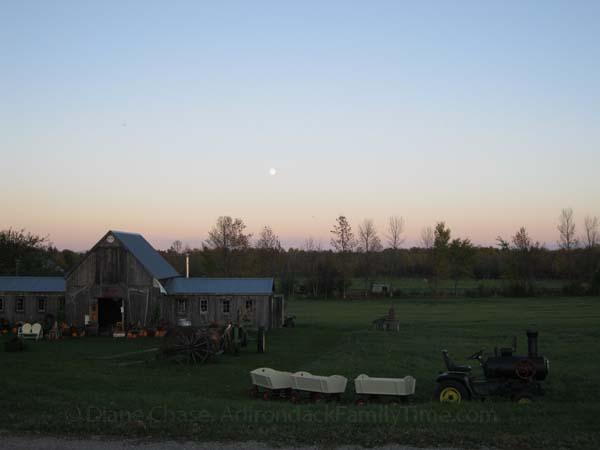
[(160, 116)]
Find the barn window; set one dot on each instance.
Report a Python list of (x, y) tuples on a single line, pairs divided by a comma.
[(249, 305), (226, 306), (20, 304), (1, 304), (181, 306), (203, 305), (61, 304), (41, 304)]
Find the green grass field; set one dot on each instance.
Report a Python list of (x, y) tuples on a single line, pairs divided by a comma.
[(63, 388)]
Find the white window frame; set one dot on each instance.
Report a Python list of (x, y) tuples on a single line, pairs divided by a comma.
[(203, 305), (250, 302), (22, 301), (228, 303), (45, 302), (180, 309)]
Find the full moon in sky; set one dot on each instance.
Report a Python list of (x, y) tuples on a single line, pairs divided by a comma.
[(272, 171)]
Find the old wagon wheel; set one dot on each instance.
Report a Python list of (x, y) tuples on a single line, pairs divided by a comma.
[(188, 347)]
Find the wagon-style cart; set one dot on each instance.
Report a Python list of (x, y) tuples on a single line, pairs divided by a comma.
[(317, 387), (270, 383), (383, 389)]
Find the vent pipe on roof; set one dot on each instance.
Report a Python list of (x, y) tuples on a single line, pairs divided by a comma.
[(187, 265)]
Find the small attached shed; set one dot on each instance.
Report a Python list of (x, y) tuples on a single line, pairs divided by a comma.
[(205, 300), (31, 299)]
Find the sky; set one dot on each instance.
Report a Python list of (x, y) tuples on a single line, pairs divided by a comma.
[(159, 117)]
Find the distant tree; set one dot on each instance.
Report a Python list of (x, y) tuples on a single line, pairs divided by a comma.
[(460, 254), (310, 245), (592, 231), (176, 247), (343, 238), (567, 240), (522, 254), (521, 240), (395, 229), (566, 228), (441, 236), (25, 253), (269, 249), (427, 237), (225, 237), (368, 241), (440, 251), (268, 240), (343, 241)]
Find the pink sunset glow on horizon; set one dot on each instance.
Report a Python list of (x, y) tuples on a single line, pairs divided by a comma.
[(104, 125)]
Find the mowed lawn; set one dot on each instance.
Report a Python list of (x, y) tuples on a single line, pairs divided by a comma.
[(64, 388)]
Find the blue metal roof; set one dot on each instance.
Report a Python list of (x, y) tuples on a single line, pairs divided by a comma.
[(220, 286), (154, 263), (32, 284)]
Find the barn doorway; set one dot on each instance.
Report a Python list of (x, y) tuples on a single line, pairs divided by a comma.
[(109, 313)]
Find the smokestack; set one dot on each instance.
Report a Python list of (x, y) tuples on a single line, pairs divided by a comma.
[(532, 343), (187, 265)]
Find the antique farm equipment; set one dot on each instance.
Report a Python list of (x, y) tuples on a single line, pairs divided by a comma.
[(268, 383), (317, 387), (188, 345), (387, 322), (505, 374), (198, 344), (383, 389)]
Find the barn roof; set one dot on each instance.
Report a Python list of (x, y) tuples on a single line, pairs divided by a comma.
[(154, 263), (221, 286), (32, 284)]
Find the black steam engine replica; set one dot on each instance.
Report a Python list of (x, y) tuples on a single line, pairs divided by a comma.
[(505, 374)]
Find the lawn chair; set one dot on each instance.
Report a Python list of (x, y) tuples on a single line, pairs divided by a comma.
[(23, 330), (34, 331)]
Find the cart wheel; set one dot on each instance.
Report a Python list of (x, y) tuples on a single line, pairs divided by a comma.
[(266, 395), (253, 391), (316, 397), (295, 397)]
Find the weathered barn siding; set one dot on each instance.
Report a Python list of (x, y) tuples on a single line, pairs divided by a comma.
[(54, 305), (110, 271), (258, 314)]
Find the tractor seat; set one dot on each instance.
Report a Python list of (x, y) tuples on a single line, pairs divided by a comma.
[(452, 366)]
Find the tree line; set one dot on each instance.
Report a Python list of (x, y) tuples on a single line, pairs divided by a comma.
[(356, 259)]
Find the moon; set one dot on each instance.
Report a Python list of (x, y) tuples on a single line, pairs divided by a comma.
[(272, 171)]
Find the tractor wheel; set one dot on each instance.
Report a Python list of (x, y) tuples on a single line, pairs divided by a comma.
[(450, 392), (522, 398)]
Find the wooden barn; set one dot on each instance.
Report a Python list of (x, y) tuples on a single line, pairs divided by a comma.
[(123, 279)]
